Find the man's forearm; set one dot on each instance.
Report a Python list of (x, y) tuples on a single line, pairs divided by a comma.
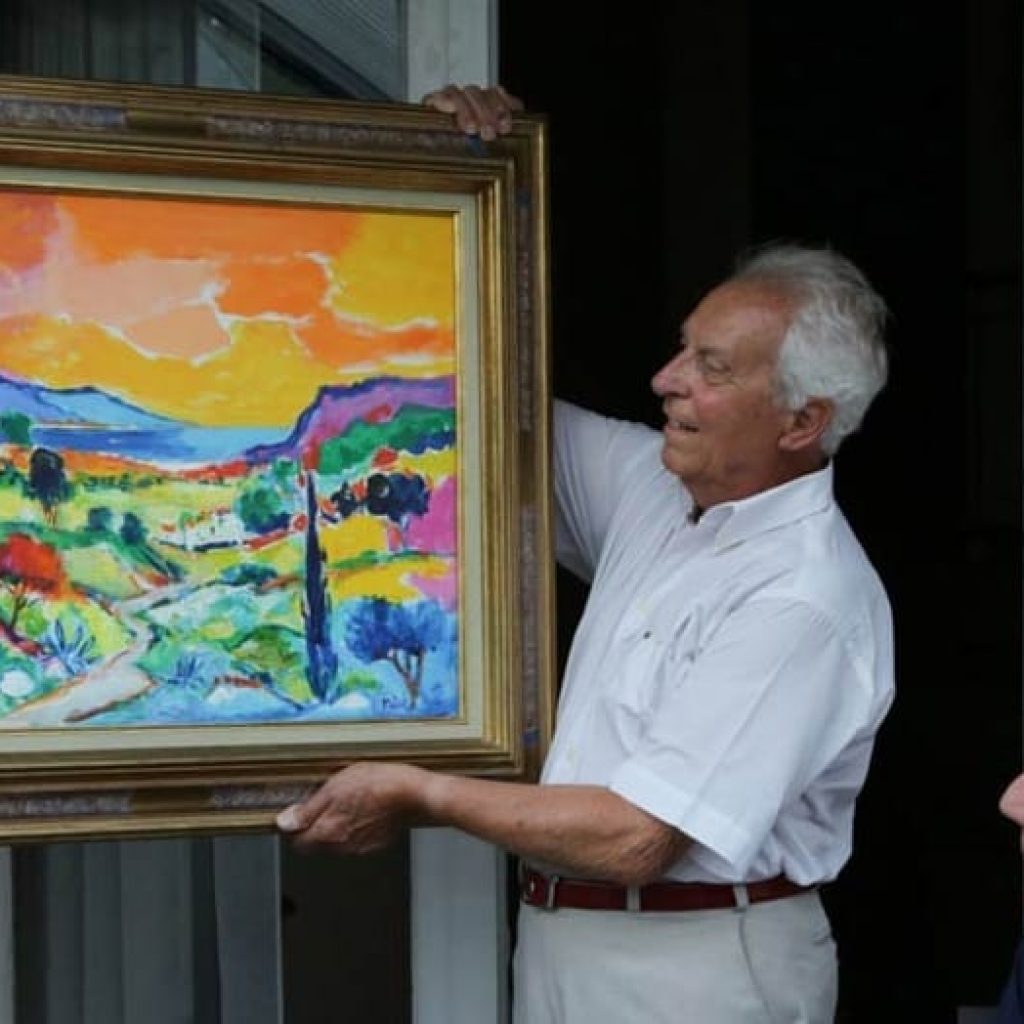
[(586, 830)]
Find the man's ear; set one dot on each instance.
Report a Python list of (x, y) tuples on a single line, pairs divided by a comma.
[(806, 425)]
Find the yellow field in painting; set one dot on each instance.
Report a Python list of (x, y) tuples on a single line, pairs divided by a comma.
[(163, 503), (390, 579)]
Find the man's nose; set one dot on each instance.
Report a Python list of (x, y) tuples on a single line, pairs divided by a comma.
[(673, 377)]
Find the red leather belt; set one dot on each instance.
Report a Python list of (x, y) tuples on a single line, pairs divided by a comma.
[(550, 891)]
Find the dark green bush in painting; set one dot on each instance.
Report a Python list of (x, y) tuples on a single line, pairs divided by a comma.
[(15, 428), (413, 429)]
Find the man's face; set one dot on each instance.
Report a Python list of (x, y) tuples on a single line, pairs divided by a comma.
[(1012, 804), (723, 419)]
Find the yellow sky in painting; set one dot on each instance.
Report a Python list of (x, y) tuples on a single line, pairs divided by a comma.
[(221, 314)]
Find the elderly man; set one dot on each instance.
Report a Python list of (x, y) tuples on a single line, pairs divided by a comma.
[(725, 685)]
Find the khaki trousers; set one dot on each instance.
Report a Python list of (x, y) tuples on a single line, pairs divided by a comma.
[(770, 963)]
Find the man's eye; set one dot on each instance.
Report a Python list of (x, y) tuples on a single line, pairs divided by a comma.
[(714, 369)]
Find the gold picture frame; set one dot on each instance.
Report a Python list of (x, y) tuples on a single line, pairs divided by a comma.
[(213, 590)]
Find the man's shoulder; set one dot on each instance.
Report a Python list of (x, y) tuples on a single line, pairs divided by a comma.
[(832, 566), (816, 561), (580, 425)]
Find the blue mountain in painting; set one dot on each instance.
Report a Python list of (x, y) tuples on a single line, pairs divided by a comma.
[(84, 405), (22, 399)]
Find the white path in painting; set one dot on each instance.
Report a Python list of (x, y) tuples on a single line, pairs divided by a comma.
[(115, 680)]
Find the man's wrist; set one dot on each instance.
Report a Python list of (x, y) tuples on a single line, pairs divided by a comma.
[(432, 796)]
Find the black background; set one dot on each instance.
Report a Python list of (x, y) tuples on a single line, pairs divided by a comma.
[(681, 132)]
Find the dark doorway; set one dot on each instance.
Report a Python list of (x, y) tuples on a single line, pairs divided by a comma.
[(892, 133)]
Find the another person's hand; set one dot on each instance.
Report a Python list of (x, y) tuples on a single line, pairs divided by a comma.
[(359, 809), (486, 112)]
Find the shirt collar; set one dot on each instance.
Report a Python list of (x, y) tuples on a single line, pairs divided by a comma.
[(738, 521)]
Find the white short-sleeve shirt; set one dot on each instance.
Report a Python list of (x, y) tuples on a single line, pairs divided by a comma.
[(728, 676)]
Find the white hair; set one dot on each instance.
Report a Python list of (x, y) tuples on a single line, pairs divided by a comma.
[(833, 347)]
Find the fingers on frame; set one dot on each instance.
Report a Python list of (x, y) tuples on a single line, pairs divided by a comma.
[(477, 110), (494, 108), (326, 829), (312, 809), (453, 99), (446, 100)]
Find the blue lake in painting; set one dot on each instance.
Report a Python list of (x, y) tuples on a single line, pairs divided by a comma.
[(170, 445)]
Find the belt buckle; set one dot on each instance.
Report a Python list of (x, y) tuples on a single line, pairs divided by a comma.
[(549, 895), (530, 879)]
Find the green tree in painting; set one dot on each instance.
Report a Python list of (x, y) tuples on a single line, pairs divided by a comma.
[(98, 519), (16, 428), (10, 477), (133, 530), (262, 510), (282, 472), (48, 482)]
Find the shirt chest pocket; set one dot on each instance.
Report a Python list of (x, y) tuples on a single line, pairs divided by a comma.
[(652, 656)]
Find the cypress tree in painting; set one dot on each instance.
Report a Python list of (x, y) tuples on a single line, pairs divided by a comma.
[(321, 660)]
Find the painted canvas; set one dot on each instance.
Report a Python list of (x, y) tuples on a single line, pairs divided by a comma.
[(228, 462)]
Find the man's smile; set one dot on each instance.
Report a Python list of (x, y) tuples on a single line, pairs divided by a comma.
[(681, 426)]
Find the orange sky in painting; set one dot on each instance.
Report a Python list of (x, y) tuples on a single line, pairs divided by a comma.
[(221, 314)]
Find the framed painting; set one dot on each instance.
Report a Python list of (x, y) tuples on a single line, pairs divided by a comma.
[(273, 453)]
